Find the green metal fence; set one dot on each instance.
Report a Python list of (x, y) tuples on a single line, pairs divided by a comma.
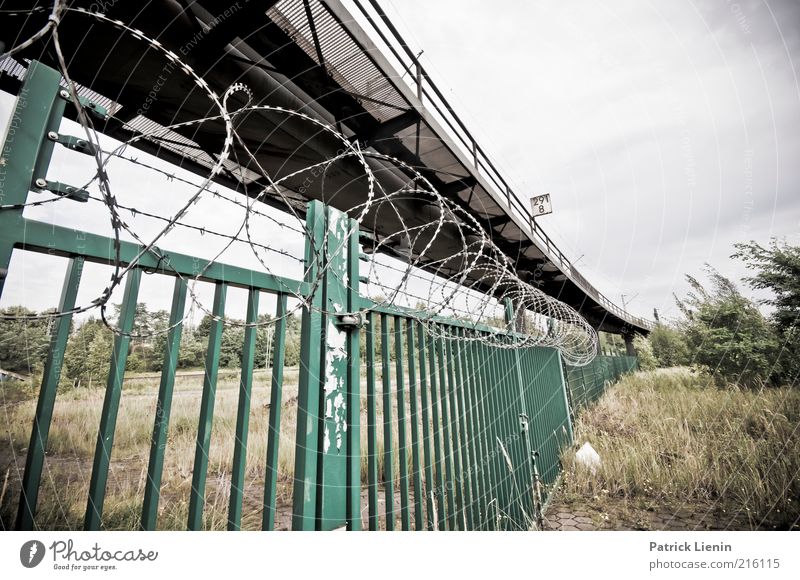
[(585, 384), (457, 429)]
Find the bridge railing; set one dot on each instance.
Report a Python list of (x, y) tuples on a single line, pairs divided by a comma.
[(457, 423), (417, 78)]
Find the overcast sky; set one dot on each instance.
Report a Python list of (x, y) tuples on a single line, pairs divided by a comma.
[(665, 132)]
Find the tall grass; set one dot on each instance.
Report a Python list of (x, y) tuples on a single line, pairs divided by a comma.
[(671, 437), (72, 440)]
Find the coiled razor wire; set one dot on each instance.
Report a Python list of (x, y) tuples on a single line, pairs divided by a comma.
[(472, 282)]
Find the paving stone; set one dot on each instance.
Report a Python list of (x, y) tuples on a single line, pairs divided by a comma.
[(585, 527)]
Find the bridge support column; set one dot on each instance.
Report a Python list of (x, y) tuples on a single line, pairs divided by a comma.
[(629, 349)]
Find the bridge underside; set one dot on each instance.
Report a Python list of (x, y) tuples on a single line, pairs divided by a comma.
[(303, 56)]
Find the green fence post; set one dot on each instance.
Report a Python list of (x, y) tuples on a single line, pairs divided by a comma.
[(475, 392), (372, 425), (353, 384), (430, 483), (47, 398), (416, 463), (455, 431), (467, 458), (243, 412), (203, 444), (308, 397), (158, 442), (26, 151), (275, 409), (446, 441), (388, 460), (322, 469), (405, 515), (108, 417), (438, 493)]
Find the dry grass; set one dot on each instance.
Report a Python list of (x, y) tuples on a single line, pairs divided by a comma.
[(73, 432), (669, 437)]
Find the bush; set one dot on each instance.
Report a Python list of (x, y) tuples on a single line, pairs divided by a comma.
[(669, 346), (644, 350), (727, 334)]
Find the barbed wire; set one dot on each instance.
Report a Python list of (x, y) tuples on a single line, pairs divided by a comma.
[(465, 272)]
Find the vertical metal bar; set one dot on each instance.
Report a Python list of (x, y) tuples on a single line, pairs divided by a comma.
[(333, 497), (353, 383), (482, 398), (528, 372), (446, 442), (416, 464), (438, 492), (506, 373), (419, 80), (570, 432), (26, 151), (522, 466), (455, 411), (467, 442), (243, 412), (275, 410), (108, 418), (47, 397), (388, 461), (477, 391), (430, 484), (498, 419), (405, 514), (158, 442), (304, 504), (495, 425), (203, 445), (372, 428)]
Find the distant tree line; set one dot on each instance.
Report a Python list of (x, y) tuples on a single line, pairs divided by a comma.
[(88, 354), (719, 330)]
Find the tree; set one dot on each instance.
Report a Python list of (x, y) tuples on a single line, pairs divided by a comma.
[(777, 268), (644, 350), (23, 341), (727, 334), (88, 355), (668, 346)]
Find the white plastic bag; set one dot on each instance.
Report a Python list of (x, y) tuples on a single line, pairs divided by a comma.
[(588, 457)]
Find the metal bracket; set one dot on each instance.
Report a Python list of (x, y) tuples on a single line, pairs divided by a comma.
[(350, 320), (97, 111), (523, 422), (74, 143), (62, 189)]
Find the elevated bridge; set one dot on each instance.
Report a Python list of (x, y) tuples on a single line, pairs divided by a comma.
[(313, 56)]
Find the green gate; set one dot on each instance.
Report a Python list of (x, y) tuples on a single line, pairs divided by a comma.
[(453, 431)]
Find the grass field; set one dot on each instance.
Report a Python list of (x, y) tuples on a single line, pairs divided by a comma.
[(669, 440), (73, 433)]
